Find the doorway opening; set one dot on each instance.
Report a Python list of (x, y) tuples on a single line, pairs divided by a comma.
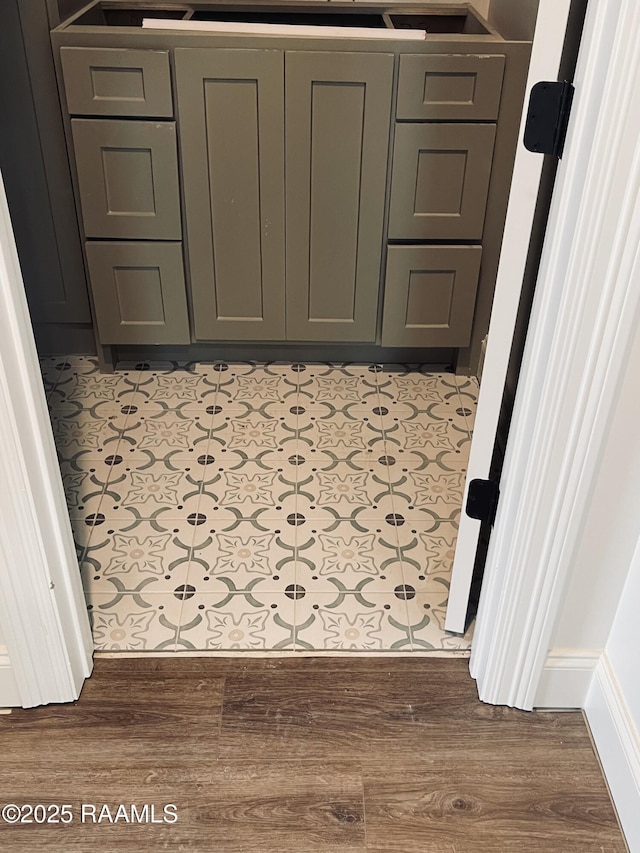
[(58, 359)]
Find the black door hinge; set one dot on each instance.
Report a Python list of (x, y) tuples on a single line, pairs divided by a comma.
[(548, 117), (482, 500)]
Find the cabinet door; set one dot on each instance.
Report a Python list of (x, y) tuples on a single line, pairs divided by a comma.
[(128, 178), (337, 109), (440, 181), (230, 105), (429, 296), (138, 292)]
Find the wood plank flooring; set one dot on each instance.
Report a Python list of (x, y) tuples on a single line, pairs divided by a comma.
[(303, 755)]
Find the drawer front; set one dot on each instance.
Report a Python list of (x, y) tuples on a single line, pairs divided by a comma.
[(461, 88), (117, 82), (439, 181), (128, 178), (430, 294), (139, 292)]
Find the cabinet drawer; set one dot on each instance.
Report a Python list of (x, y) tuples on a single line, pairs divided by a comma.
[(139, 292), (464, 88), (439, 181), (128, 177), (430, 293), (117, 82)]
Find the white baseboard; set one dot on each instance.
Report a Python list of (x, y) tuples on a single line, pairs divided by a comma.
[(9, 697), (566, 678), (618, 746)]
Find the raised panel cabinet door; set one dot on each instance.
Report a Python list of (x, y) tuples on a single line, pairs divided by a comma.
[(337, 108), (230, 105), (128, 178), (139, 292), (430, 295), (439, 182)]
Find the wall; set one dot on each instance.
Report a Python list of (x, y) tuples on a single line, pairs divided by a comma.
[(612, 707), (622, 645), (514, 19), (604, 557), (33, 158), (593, 662)]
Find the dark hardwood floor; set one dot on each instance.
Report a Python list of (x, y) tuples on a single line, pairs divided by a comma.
[(303, 755)]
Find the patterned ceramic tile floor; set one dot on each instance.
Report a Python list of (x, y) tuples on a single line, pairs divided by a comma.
[(262, 507)]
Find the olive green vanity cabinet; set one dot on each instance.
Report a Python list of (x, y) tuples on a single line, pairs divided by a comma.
[(139, 292), (253, 122), (446, 114), (129, 192), (290, 189), (429, 294), (449, 87), (337, 136), (440, 180), (117, 82), (128, 178), (231, 115)]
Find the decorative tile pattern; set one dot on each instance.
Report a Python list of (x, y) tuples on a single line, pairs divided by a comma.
[(251, 507), (338, 386), (149, 555), (177, 389), (427, 612), (244, 555), (468, 393), (80, 435), (173, 433), (81, 386), (427, 554), (357, 621), (347, 556), (84, 483), (132, 622), (251, 432), (255, 385), (250, 620)]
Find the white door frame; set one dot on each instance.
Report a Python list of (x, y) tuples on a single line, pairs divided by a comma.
[(546, 54), (585, 313), (42, 611), (565, 372)]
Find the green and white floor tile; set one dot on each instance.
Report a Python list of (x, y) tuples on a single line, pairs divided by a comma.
[(263, 507)]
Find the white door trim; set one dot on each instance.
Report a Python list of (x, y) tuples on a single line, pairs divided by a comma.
[(546, 53), (42, 612), (616, 740), (585, 311)]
